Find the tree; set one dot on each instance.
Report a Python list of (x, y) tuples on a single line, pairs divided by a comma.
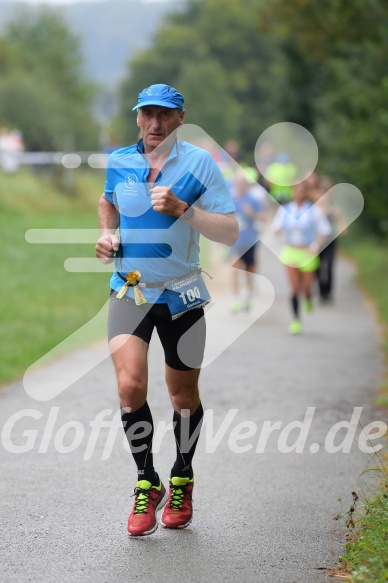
[(42, 90), (323, 65), (213, 49), (345, 47)]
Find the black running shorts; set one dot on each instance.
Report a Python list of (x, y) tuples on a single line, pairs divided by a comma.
[(248, 258), (125, 317)]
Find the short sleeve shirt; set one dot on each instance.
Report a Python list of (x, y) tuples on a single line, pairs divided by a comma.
[(247, 224), (301, 224), (161, 247)]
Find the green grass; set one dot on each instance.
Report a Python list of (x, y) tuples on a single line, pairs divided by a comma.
[(372, 272), (366, 555), (41, 303), (371, 258)]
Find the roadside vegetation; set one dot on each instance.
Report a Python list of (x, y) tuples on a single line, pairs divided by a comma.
[(366, 551), (40, 302), (366, 556)]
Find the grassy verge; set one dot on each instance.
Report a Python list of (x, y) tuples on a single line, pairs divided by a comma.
[(41, 304), (366, 557), (371, 259), (366, 553)]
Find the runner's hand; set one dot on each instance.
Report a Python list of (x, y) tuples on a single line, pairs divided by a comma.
[(164, 201), (106, 248)]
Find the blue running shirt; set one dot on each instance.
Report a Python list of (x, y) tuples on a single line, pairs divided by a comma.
[(161, 247), (247, 224), (301, 224)]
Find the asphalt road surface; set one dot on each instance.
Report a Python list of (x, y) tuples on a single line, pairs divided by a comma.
[(261, 513)]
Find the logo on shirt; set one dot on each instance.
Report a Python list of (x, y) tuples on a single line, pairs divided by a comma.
[(131, 180)]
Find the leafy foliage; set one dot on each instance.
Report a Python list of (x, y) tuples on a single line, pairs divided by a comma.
[(342, 49), (213, 52), (42, 91), (243, 67)]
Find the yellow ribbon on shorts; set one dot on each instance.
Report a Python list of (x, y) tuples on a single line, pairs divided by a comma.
[(132, 279)]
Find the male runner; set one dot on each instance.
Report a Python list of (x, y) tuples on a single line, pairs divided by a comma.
[(160, 195)]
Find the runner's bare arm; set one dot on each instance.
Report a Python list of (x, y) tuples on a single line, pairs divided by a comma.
[(108, 221), (215, 226)]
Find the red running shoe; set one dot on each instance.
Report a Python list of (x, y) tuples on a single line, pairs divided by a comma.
[(178, 512), (149, 499)]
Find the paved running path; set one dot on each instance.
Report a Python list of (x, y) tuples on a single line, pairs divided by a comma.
[(259, 517)]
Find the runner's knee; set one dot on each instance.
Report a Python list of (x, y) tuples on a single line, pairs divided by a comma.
[(132, 391), (184, 400)]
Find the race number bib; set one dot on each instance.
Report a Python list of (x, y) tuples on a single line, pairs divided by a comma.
[(186, 294)]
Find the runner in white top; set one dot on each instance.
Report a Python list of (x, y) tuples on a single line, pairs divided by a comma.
[(305, 229)]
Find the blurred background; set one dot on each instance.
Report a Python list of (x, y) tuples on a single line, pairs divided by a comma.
[(70, 73)]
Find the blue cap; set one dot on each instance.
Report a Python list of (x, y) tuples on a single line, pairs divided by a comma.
[(160, 94)]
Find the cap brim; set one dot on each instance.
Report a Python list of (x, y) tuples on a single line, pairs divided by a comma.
[(160, 103)]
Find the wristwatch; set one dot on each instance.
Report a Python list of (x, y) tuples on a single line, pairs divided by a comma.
[(187, 213)]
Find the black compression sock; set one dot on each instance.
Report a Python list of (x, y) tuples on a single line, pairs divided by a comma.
[(295, 306), (139, 429), (186, 432)]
